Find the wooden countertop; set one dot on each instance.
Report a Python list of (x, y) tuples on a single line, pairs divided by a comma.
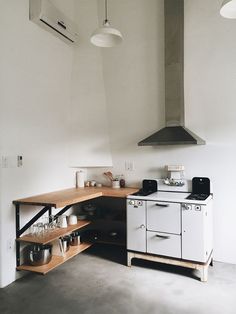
[(72, 196)]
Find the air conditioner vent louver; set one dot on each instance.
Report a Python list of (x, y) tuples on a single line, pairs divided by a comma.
[(46, 15), (56, 30)]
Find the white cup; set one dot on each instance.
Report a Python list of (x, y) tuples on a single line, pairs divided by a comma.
[(115, 184), (72, 220), (62, 221)]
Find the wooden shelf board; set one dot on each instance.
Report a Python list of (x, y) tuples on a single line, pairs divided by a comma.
[(72, 196), (120, 193), (53, 235), (56, 260)]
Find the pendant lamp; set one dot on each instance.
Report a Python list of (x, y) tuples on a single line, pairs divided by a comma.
[(106, 36), (228, 9)]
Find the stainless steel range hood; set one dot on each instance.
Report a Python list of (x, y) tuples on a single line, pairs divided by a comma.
[(175, 132)]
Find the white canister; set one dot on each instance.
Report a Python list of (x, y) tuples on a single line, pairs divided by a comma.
[(80, 179), (72, 220), (116, 184)]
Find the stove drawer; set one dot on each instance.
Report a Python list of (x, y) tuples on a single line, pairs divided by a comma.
[(164, 217), (164, 244)]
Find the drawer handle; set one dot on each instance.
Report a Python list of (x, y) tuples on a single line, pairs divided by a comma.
[(142, 227), (162, 205), (162, 237)]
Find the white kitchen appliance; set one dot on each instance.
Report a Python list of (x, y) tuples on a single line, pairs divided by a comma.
[(167, 223), (47, 16)]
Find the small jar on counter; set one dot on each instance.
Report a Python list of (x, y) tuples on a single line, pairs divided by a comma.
[(115, 184), (122, 181)]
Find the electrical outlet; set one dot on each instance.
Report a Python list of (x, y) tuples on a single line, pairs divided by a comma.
[(129, 166), (10, 244)]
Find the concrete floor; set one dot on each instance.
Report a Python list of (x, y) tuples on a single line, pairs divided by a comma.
[(97, 281)]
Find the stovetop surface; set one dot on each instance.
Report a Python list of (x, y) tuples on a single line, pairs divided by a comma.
[(175, 197), (198, 197), (142, 192)]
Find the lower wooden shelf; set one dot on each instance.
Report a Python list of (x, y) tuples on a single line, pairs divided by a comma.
[(56, 260), (53, 235)]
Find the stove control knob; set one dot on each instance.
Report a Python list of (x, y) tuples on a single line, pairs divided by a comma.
[(140, 203), (186, 206), (142, 227), (131, 202), (198, 207)]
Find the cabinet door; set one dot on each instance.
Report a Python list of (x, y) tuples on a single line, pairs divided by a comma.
[(193, 235), (164, 217), (164, 244), (136, 225)]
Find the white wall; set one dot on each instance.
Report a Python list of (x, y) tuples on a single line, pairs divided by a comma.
[(210, 103), (89, 140), (134, 81), (35, 91), (46, 109)]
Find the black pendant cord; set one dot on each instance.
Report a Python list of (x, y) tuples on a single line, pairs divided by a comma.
[(106, 20)]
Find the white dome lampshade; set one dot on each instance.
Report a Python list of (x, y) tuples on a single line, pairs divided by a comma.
[(106, 36), (228, 9)]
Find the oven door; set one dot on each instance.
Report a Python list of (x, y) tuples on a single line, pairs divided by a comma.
[(164, 217), (164, 244)]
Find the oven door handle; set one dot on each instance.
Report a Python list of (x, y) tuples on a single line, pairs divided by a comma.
[(162, 205), (162, 236)]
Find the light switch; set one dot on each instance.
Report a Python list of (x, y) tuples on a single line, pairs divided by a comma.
[(129, 166), (19, 161)]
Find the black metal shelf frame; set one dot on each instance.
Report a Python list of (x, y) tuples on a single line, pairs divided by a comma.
[(20, 231)]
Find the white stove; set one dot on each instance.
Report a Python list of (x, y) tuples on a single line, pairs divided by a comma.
[(165, 222)]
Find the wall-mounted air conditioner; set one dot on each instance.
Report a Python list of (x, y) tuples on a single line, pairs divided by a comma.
[(46, 15)]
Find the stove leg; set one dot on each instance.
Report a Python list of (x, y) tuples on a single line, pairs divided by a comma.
[(129, 258), (204, 274)]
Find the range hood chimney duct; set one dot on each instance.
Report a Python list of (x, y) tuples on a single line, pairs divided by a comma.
[(175, 132)]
